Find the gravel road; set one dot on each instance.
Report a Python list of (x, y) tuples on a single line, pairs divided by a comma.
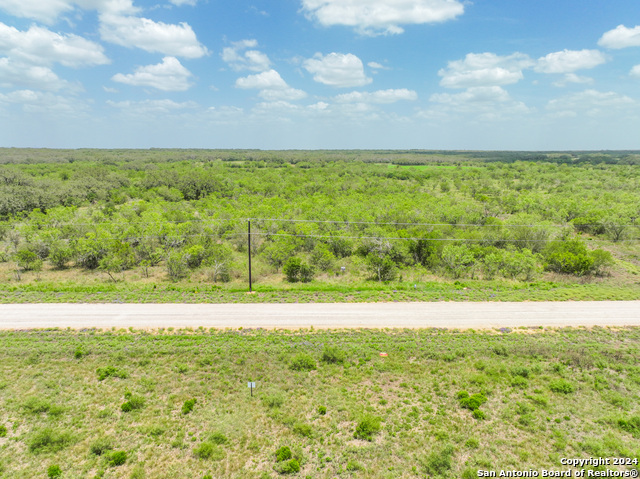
[(322, 315)]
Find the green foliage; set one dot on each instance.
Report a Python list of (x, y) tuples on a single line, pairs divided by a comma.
[(296, 270), (478, 414), (322, 410), (472, 402), (354, 466), (3, 430), (367, 427), (116, 458), (382, 269), (28, 260), (274, 400), (176, 266), (457, 259), (49, 440), (111, 371), (290, 467), (101, 446), (54, 471), (333, 354), (572, 257), (561, 386), (218, 438), (133, 403), (630, 425), (438, 462), (322, 258), (208, 450), (188, 406), (60, 255), (303, 362), (283, 454), (303, 429), (521, 371)]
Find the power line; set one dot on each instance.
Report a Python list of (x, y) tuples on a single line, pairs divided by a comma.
[(339, 222)]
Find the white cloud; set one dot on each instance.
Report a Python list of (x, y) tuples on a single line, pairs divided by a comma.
[(337, 69), (568, 61), (135, 32), (485, 103), (377, 66), (621, 37), (169, 75), (271, 85), (19, 75), (43, 47), (374, 17), (45, 103), (179, 3), (591, 103), (484, 69), (635, 71), (152, 106), (253, 60), (48, 11), (573, 78), (380, 96)]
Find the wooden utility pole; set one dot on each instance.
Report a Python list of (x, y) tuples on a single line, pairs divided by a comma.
[(249, 251)]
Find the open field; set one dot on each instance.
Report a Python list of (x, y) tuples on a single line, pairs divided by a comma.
[(119, 404)]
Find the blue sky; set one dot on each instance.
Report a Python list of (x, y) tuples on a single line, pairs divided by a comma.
[(280, 74)]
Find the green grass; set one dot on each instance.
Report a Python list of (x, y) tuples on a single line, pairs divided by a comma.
[(467, 290), (400, 416)]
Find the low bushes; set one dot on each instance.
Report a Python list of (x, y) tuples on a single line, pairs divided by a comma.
[(367, 427)]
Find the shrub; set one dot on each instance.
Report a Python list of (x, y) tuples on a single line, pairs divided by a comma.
[(572, 257), (322, 410), (218, 438), (519, 382), (478, 414), (60, 255), (283, 454), (367, 428), (296, 270), (204, 450), (322, 258), (472, 443), (631, 425), (439, 462), (303, 362), (176, 266), (353, 466), (303, 429), (274, 400), (110, 371), (28, 260), (472, 402), (134, 402), (208, 450), (54, 471), (562, 386), (79, 352), (116, 458), (333, 354), (520, 371), (188, 405), (457, 259), (382, 269), (292, 466), (100, 446), (49, 440), (3, 430)]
